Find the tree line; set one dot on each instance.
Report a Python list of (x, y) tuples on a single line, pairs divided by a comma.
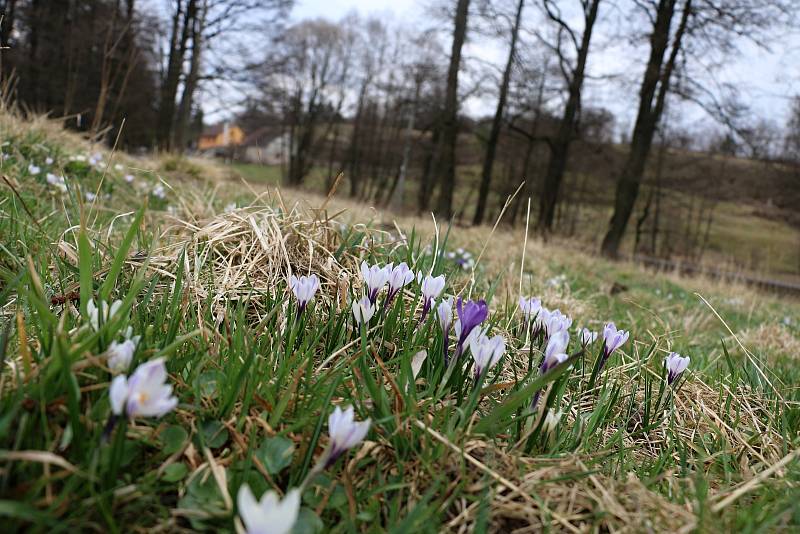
[(383, 104)]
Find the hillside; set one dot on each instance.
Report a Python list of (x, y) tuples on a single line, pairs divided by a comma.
[(199, 257)]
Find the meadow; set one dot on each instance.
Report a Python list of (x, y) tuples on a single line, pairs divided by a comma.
[(162, 370)]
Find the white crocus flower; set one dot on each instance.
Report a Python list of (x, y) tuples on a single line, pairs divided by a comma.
[(613, 338), (363, 310), (128, 178), (103, 312), (345, 432), (675, 364), (33, 169), (270, 515), (375, 277), (432, 287), (486, 352), (120, 355), (399, 277), (304, 289), (90, 197), (145, 393), (530, 308), (48, 161)]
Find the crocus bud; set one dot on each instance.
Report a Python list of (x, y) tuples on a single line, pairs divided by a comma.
[(587, 337), (345, 432), (363, 310), (445, 313), (432, 287), (675, 364), (145, 394), (304, 289), (104, 312), (612, 340), (556, 351), (530, 308), (486, 352), (271, 514)]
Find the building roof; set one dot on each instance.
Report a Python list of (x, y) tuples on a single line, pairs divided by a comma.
[(262, 136), (215, 129)]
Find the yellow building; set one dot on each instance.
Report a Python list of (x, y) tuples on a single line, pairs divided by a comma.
[(220, 136)]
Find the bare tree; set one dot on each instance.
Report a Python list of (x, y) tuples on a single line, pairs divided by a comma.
[(449, 136), (497, 122), (574, 76), (703, 27)]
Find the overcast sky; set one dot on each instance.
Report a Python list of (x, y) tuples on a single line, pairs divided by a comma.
[(767, 79)]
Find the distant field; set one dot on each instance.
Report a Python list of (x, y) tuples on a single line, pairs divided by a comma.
[(739, 239)]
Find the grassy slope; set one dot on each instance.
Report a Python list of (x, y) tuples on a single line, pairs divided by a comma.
[(252, 409), (739, 239)]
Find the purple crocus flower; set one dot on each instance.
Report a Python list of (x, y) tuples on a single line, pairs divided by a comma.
[(375, 278), (445, 313), (345, 432), (470, 315), (612, 340)]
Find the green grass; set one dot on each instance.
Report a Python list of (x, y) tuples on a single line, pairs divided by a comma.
[(444, 451)]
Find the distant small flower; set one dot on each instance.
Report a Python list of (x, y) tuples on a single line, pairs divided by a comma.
[(399, 277), (120, 355), (159, 192), (587, 337), (96, 159), (431, 288), (375, 279), (33, 169), (118, 167), (90, 197), (270, 515), (145, 393), (230, 208), (128, 178), (48, 161), (103, 312), (304, 289), (363, 310), (612, 340), (470, 315), (57, 181), (530, 308), (345, 432), (486, 352), (675, 364)]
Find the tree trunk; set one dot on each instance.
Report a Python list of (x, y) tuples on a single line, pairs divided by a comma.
[(494, 134), (646, 120), (450, 119), (169, 85), (197, 21), (559, 147)]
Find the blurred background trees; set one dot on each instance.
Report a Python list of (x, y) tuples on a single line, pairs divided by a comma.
[(476, 106)]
